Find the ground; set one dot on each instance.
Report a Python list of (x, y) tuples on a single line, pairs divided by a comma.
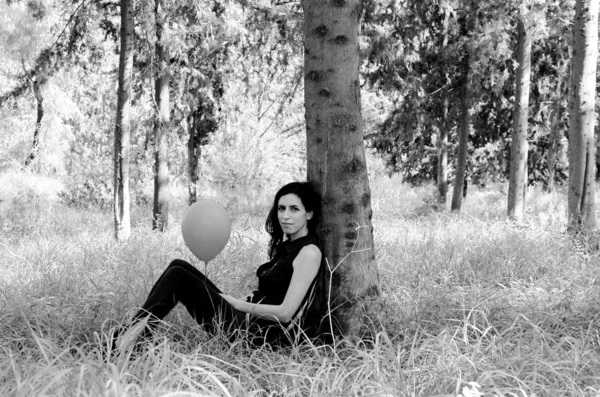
[(466, 298)]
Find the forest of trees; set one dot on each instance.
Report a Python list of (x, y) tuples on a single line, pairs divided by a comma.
[(133, 103)]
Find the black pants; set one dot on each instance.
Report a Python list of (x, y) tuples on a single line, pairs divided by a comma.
[(182, 282)]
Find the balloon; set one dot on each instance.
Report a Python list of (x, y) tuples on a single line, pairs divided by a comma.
[(205, 229)]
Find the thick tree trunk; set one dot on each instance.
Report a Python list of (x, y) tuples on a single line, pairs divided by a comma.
[(518, 151), (336, 160), (582, 162), (35, 147), (160, 211), (121, 155), (463, 139)]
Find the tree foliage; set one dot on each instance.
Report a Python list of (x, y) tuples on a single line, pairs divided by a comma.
[(236, 84), (236, 91), (404, 58)]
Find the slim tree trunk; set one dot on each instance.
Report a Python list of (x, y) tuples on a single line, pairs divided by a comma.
[(556, 116), (336, 159), (554, 143), (121, 155), (518, 151), (35, 147), (463, 139), (581, 207), (442, 142), (442, 152), (194, 152), (160, 211)]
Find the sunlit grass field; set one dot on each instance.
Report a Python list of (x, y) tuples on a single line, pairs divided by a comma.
[(466, 298)]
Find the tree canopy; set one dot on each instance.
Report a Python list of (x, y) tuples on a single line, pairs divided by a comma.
[(236, 84)]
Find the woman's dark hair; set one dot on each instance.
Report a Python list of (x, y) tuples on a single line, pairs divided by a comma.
[(311, 201)]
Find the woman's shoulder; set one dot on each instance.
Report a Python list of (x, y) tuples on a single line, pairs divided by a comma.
[(311, 249), (309, 253), (312, 245)]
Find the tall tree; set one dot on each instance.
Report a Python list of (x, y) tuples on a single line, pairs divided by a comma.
[(442, 141), (463, 137), (336, 156), (414, 55), (468, 25), (518, 152), (49, 61), (201, 123), (556, 117), (160, 211), (582, 162), (122, 129), (36, 83)]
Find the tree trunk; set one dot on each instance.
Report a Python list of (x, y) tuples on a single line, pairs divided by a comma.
[(463, 139), (442, 142), (121, 155), (581, 207), (518, 151), (35, 147), (442, 148), (194, 152), (556, 116), (336, 160), (160, 211), (554, 143)]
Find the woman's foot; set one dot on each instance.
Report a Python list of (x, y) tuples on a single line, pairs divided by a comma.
[(130, 340), (125, 339)]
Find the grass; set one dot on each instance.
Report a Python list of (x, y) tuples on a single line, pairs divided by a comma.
[(473, 305)]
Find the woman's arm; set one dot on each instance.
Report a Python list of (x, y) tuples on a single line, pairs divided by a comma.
[(306, 265)]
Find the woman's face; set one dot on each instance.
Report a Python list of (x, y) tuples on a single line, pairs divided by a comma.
[(293, 217)]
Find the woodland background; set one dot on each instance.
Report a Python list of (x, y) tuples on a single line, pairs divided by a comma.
[(472, 304), (237, 82)]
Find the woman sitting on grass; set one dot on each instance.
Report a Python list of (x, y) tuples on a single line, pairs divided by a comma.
[(284, 283)]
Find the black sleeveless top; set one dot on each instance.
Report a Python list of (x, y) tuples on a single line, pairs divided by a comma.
[(274, 277)]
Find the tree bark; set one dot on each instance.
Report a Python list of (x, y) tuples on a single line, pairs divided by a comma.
[(197, 135), (336, 161), (554, 145), (518, 151), (554, 141), (122, 129), (442, 152), (463, 139), (35, 147), (160, 211), (442, 142), (582, 162), (192, 168)]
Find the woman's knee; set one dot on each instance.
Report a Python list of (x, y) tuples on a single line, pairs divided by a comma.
[(179, 263), (182, 272)]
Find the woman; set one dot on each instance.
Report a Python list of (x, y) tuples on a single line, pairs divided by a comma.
[(284, 283)]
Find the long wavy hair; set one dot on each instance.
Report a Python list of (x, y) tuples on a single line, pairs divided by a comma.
[(311, 200)]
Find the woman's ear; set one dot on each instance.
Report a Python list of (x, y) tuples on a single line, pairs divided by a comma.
[(309, 215)]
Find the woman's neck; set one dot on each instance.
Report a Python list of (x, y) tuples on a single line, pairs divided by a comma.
[(297, 235)]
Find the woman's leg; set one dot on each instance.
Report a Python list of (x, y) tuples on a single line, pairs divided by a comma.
[(185, 265), (181, 282)]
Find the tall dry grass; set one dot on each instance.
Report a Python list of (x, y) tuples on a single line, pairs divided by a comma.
[(472, 305)]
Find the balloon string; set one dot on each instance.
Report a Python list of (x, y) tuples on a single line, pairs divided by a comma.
[(205, 269)]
